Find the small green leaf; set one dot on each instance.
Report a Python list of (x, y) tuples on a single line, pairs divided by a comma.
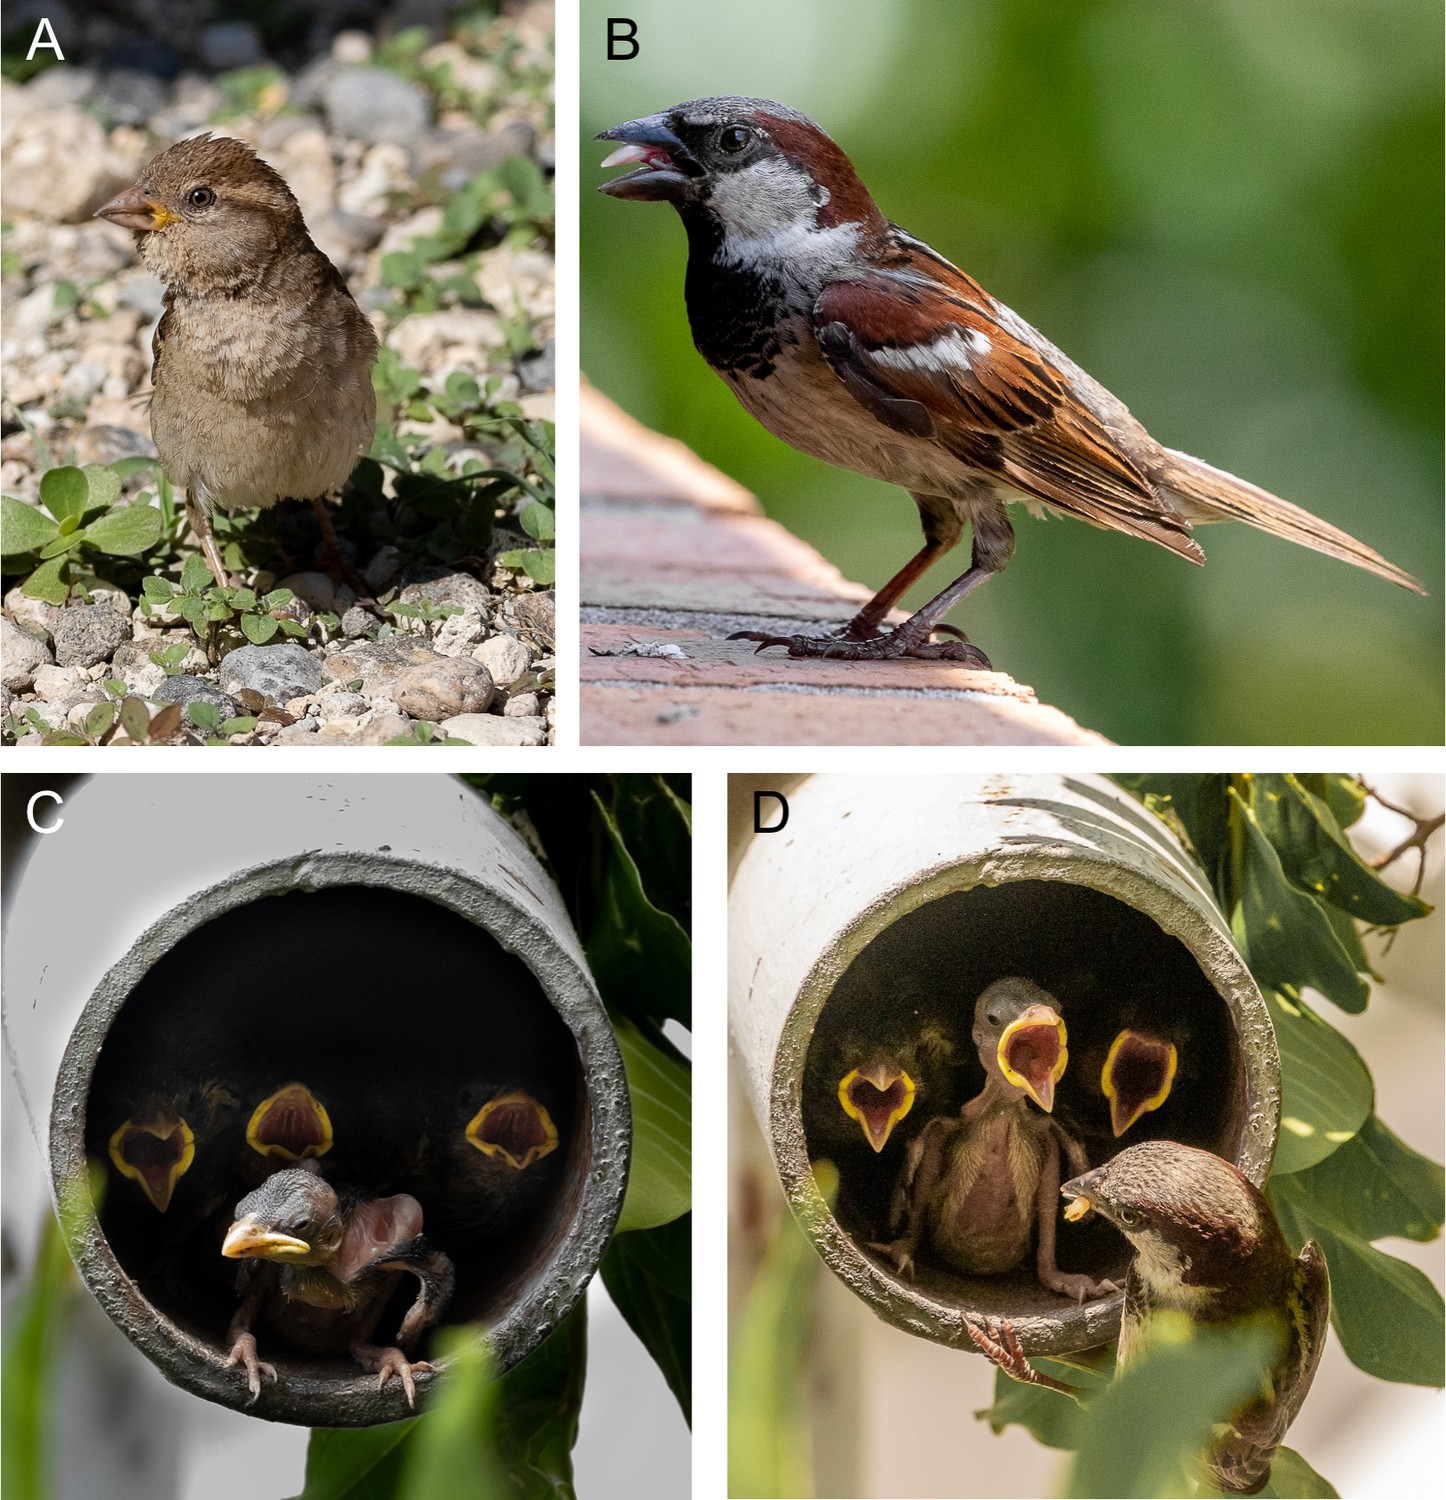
[(537, 521), (158, 590), (48, 582), (23, 528), (660, 1090), (125, 531), (1293, 1479), (243, 725), (276, 599), (258, 629), (103, 485), (63, 545), (196, 575), (1326, 1091), (356, 1463), (540, 567), (64, 492), (99, 720), (135, 719), (115, 687), (462, 389), (203, 715), (293, 628), (242, 599)]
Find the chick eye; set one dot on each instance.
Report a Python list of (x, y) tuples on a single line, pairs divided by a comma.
[(992, 1018), (200, 197), (733, 138)]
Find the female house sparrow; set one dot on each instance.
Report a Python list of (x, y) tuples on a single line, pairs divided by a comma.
[(262, 360), (858, 344)]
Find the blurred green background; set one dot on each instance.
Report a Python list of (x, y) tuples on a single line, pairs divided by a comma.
[(1229, 212)]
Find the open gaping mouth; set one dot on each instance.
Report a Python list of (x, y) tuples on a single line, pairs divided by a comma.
[(665, 167)]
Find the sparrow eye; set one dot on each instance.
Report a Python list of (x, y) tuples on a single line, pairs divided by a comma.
[(200, 197), (1129, 1217), (733, 138), (992, 1018)]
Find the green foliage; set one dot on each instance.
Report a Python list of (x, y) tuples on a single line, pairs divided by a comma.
[(770, 1446), (660, 1090), (647, 1274), (34, 1327), (1293, 890), (218, 613), (86, 517), (426, 612), (422, 733)]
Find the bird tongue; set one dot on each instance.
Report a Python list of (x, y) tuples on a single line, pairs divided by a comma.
[(653, 156), (1032, 1054), (516, 1128), (291, 1124)]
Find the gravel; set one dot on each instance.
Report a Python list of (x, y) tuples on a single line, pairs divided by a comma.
[(276, 672)]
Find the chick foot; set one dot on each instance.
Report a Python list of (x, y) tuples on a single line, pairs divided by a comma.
[(1077, 1288), (243, 1352), (899, 1254), (385, 1363), (997, 1341)]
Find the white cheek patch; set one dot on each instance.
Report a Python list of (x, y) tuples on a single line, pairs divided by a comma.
[(958, 349), (1161, 1266)]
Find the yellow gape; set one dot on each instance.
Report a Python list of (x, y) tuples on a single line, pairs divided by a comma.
[(878, 1101), (514, 1127), (158, 1168)]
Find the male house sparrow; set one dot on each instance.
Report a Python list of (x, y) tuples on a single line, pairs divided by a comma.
[(262, 360), (858, 344), (977, 1185)]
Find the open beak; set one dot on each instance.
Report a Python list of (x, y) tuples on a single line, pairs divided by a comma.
[(666, 163), (248, 1240), (136, 209), (155, 1152), (1032, 1053), (1137, 1077), (513, 1128), (1077, 1193), (290, 1125), (878, 1097)]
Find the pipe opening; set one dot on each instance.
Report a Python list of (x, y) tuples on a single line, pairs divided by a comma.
[(440, 1066), (1108, 966)]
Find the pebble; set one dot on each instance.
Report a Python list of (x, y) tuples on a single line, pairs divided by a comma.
[(505, 658), (187, 689), (439, 688), (493, 729), (374, 105), (320, 592), (459, 634), (356, 622), (34, 615), (522, 706), (60, 684), (232, 44), (87, 633), (276, 672)]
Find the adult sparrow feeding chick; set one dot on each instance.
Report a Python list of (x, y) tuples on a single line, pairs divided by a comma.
[(1208, 1246), (262, 360), (857, 343), (975, 1186)]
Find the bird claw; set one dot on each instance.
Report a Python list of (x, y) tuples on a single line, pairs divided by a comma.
[(1078, 1288), (997, 1341), (889, 647), (900, 1255), (243, 1352), (385, 1363)]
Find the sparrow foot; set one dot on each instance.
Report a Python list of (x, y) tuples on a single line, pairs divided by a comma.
[(243, 1352), (384, 1363), (997, 1341), (1077, 1288), (888, 647), (899, 1254)]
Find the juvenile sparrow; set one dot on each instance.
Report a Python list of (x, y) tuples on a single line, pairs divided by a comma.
[(1208, 1245), (977, 1185), (860, 345), (262, 360)]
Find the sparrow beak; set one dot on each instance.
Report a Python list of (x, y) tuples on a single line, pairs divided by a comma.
[(154, 1152), (136, 209), (246, 1239), (1033, 1055), (290, 1125), (667, 164), (878, 1098), (1137, 1077), (513, 1128), (1077, 1192)]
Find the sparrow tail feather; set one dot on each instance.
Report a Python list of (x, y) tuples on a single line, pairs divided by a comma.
[(1210, 494)]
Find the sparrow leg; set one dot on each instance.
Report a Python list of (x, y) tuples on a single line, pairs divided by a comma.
[(923, 1167), (993, 547), (997, 1341), (1065, 1283), (200, 522), (243, 1342), (337, 563)]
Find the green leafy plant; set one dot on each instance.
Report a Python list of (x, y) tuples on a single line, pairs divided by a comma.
[(82, 516), (211, 609), (422, 733), (425, 612)]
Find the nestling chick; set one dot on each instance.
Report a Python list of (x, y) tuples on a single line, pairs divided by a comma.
[(321, 1266), (262, 360), (858, 344), (491, 1161), (1137, 1075), (1207, 1244), (290, 1125), (976, 1186), (859, 1089)]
